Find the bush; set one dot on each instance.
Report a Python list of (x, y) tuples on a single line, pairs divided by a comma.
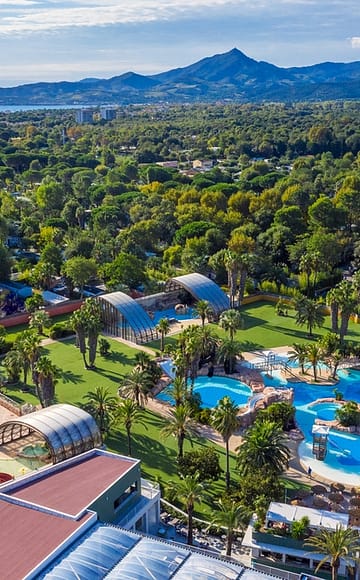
[(205, 462), (60, 330), (104, 347), (6, 346)]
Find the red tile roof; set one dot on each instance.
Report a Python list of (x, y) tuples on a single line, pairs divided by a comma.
[(76, 486), (27, 536)]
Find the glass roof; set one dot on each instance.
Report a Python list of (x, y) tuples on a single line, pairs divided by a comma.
[(116, 554), (68, 430), (135, 315), (202, 288)]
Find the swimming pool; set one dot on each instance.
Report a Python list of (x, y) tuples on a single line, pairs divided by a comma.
[(342, 461), (172, 315), (212, 389)]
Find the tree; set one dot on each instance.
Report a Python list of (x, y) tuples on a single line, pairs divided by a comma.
[(298, 355), (102, 406), (228, 352), (28, 344), (39, 320), (78, 323), (92, 314), (309, 313), (180, 425), (33, 303), (230, 516), (203, 309), (314, 355), (80, 270), (129, 413), (263, 448), (231, 321), (163, 326), (334, 546), (224, 419), (177, 390), (136, 386), (348, 297), (46, 376), (205, 462), (189, 491), (280, 412), (13, 363)]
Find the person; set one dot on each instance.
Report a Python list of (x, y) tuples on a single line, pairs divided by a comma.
[(309, 471)]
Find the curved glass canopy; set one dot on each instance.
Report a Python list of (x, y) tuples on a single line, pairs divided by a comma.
[(67, 430), (201, 288), (122, 313)]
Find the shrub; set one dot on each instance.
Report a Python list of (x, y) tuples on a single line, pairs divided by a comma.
[(104, 347), (60, 330), (205, 462)]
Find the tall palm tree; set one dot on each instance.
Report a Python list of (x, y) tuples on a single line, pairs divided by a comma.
[(78, 323), (230, 516), (28, 344), (46, 375), (203, 310), (263, 448), (209, 342), (228, 352), (224, 419), (309, 313), (332, 300), (163, 326), (177, 390), (231, 321), (189, 491), (189, 344), (92, 314), (129, 413), (13, 364), (136, 386), (341, 544), (102, 406), (180, 425), (314, 355), (298, 355), (142, 360), (39, 320), (348, 302)]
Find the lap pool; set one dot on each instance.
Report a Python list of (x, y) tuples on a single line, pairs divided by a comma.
[(342, 461), (212, 389)]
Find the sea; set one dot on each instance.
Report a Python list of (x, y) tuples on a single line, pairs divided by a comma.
[(17, 108)]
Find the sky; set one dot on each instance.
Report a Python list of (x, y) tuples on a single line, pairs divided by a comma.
[(53, 40)]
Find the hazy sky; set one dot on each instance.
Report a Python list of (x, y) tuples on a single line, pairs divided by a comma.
[(73, 39)]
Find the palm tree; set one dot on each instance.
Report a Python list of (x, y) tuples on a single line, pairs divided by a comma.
[(78, 323), (231, 321), (309, 313), (203, 310), (189, 491), (13, 363), (28, 345), (102, 406), (314, 356), (136, 386), (209, 342), (129, 413), (46, 373), (189, 344), (341, 544), (228, 352), (332, 300), (263, 448), (298, 354), (39, 320), (348, 301), (163, 326), (224, 419), (92, 315), (177, 390), (231, 517), (180, 425), (142, 360)]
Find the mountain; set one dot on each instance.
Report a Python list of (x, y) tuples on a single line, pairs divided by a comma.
[(231, 76)]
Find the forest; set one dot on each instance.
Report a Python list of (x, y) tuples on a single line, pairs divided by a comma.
[(165, 189)]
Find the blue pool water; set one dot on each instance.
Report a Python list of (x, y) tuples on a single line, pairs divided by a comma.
[(211, 390), (342, 462), (172, 315)]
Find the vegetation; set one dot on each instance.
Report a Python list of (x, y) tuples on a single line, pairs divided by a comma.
[(341, 544)]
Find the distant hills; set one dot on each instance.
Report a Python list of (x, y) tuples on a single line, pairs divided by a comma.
[(231, 76)]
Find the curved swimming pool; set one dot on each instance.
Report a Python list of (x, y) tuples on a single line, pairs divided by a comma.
[(342, 461), (212, 389)]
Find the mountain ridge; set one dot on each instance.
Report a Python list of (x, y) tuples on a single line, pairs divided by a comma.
[(227, 76)]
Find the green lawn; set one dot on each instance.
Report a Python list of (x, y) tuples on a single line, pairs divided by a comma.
[(13, 331), (75, 380)]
